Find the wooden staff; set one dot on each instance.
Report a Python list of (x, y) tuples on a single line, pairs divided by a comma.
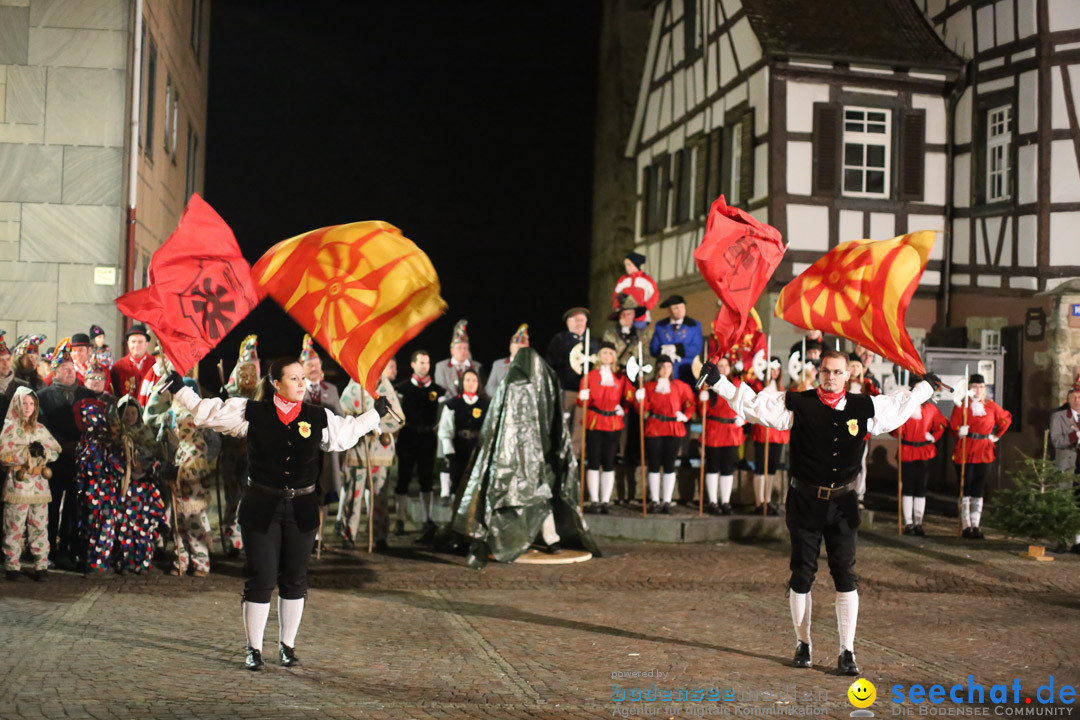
[(584, 417), (768, 379), (900, 483), (701, 482), (371, 496), (963, 462), (641, 431)]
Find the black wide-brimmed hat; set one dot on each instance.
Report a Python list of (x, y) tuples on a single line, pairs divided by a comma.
[(673, 300)]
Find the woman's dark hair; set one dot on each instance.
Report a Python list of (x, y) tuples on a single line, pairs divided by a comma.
[(265, 390), (479, 385)]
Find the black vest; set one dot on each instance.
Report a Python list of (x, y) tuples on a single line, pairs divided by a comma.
[(468, 419), (420, 405), (827, 445), (281, 456)]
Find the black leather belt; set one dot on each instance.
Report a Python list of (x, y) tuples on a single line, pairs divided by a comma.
[(467, 435), (922, 443), (288, 493), (722, 420), (822, 492), (605, 413), (662, 418), (978, 436)]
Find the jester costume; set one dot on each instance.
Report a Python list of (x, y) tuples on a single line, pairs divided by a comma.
[(99, 476), (142, 508)]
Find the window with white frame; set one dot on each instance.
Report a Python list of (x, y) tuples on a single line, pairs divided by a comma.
[(735, 196), (867, 139), (998, 146)]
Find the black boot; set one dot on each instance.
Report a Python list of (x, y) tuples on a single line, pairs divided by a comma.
[(919, 532), (254, 660), (725, 509), (288, 656), (605, 509), (966, 533), (976, 534), (665, 509), (712, 509), (909, 529), (41, 575), (13, 575), (845, 664), (802, 656), (553, 549)]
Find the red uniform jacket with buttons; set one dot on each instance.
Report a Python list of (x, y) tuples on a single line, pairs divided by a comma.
[(720, 427), (760, 432), (995, 422), (680, 399), (913, 443), (606, 398)]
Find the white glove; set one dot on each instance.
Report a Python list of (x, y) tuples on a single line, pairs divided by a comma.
[(739, 366), (668, 350), (994, 438), (680, 417), (724, 388), (963, 431), (739, 422), (930, 437), (703, 395), (583, 394), (639, 394), (619, 411), (676, 359)]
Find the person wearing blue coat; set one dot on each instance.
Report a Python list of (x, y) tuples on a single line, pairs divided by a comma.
[(679, 337)]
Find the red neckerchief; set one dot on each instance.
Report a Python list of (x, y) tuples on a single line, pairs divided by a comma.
[(421, 381), (830, 399), (286, 409), (469, 397)]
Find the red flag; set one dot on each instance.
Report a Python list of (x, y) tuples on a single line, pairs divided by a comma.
[(860, 290), (737, 258), (200, 287), (362, 290)]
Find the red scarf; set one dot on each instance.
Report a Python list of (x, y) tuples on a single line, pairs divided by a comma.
[(421, 381), (286, 409), (831, 399), (470, 398)]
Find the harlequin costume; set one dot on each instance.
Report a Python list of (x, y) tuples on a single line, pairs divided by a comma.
[(99, 479), (142, 508), (25, 448)]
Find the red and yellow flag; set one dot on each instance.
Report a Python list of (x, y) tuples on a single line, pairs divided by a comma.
[(860, 290), (362, 290)]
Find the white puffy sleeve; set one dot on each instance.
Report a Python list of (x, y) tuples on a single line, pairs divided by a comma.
[(767, 408), (446, 432), (342, 433), (893, 410), (224, 416)]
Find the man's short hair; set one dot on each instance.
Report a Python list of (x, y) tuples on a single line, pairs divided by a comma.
[(834, 354), (416, 354)]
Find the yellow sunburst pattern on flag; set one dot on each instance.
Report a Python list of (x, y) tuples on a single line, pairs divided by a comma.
[(860, 290), (362, 290)]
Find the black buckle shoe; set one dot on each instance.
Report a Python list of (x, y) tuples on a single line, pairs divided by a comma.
[(553, 549), (288, 656), (712, 509), (909, 529), (976, 534), (772, 510), (802, 656), (665, 509), (254, 660), (845, 664), (41, 575), (919, 532), (725, 509), (605, 509), (966, 533)]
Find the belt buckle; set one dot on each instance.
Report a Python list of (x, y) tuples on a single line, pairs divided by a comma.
[(289, 493), (824, 493)]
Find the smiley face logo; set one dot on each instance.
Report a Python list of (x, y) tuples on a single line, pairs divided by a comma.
[(862, 693)]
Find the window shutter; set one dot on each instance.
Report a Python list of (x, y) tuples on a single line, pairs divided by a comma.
[(827, 139), (664, 188), (725, 160), (746, 179), (912, 154), (701, 176), (978, 151), (714, 165)]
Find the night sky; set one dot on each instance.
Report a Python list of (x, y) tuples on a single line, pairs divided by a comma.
[(469, 125)]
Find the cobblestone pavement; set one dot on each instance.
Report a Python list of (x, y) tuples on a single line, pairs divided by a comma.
[(414, 634)]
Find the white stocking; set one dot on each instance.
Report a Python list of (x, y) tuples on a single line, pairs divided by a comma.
[(847, 615), (710, 486), (547, 530), (289, 614), (402, 506), (726, 483), (444, 484), (800, 615), (654, 487), (592, 480), (607, 484), (965, 512), (759, 489), (255, 615), (905, 503), (920, 507), (669, 486), (976, 511)]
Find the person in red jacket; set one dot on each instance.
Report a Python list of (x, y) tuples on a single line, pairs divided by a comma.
[(128, 371), (777, 440), (667, 400), (918, 445), (986, 423), (603, 394), (723, 438)]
